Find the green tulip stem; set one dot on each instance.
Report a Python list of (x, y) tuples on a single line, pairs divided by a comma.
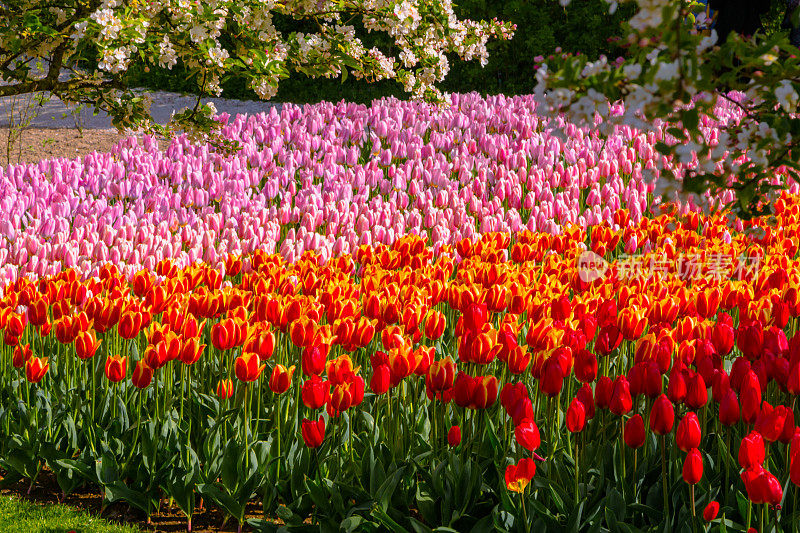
[(664, 473)]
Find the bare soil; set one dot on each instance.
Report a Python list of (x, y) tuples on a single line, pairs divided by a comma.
[(35, 144)]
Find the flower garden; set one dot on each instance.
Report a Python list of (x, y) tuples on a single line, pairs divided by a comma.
[(404, 318)]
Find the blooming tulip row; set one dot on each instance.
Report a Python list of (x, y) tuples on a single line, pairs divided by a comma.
[(326, 178), (499, 376)]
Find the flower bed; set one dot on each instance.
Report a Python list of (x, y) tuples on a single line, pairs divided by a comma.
[(640, 373)]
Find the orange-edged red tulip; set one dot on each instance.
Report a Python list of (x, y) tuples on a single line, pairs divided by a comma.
[(130, 323), (441, 375), (247, 368), (142, 375), (313, 432), (227, 334), (156, 356), (21, 355), (191, 350), (36, 368), (315, 392), (224, 389), (662, 415), (576, 416), (688, 434), (281, 379), (260, 342), (634, 432), (340, 370), (301, 331), (341, 399), (518, 360), (693, 467), (116, 368), (37, 312), (434, 325), (632, 323), (486, 390), (519, 476), (454, 436)]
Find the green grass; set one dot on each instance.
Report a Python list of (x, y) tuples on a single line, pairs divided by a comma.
[(26, 517)]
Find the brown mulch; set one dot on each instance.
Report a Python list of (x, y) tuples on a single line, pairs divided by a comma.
[(207, 519), (36, 144)]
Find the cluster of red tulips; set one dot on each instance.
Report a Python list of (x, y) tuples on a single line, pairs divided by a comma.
[(504, 334)]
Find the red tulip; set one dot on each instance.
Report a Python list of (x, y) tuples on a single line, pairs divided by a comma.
[(576, 416), (454, 436), (475, 316), (116, 368), (729, 409), (770, 421), (585, 366), (313, 360), (586, 397), (634, 431), (693, 467), (750, 397), (696, 391), (380, 382), (552, 379), (711, 511), (602, 392), (688, 435), (750, 339), (621, 401), (315, 392), (608, 339), (527, 434), (752, 450), (313, 432), (662, 416), (518, 476)]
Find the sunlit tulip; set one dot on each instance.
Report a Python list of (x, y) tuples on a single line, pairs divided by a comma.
[(142, 375), (688, 434), (280, 379), (527, 435), (662, 416), (518, 476), (116, 368), (36, 368), (693, 467), (313, 432), (247, 368)]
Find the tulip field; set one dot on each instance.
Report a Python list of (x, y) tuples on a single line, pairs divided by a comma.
[(400, 318)]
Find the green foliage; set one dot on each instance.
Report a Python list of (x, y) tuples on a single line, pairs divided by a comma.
[(584, 27)]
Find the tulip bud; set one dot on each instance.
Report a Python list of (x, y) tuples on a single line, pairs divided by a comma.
[(313, 432), (634, 431), (224, 389), (662, 416), (576, 416), (454, 436), (527, 435), (142, 375), (752, 451), (711, 511), (688, 435), (693, 467)]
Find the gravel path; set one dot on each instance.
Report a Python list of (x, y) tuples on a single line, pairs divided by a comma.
[(54, 114)]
